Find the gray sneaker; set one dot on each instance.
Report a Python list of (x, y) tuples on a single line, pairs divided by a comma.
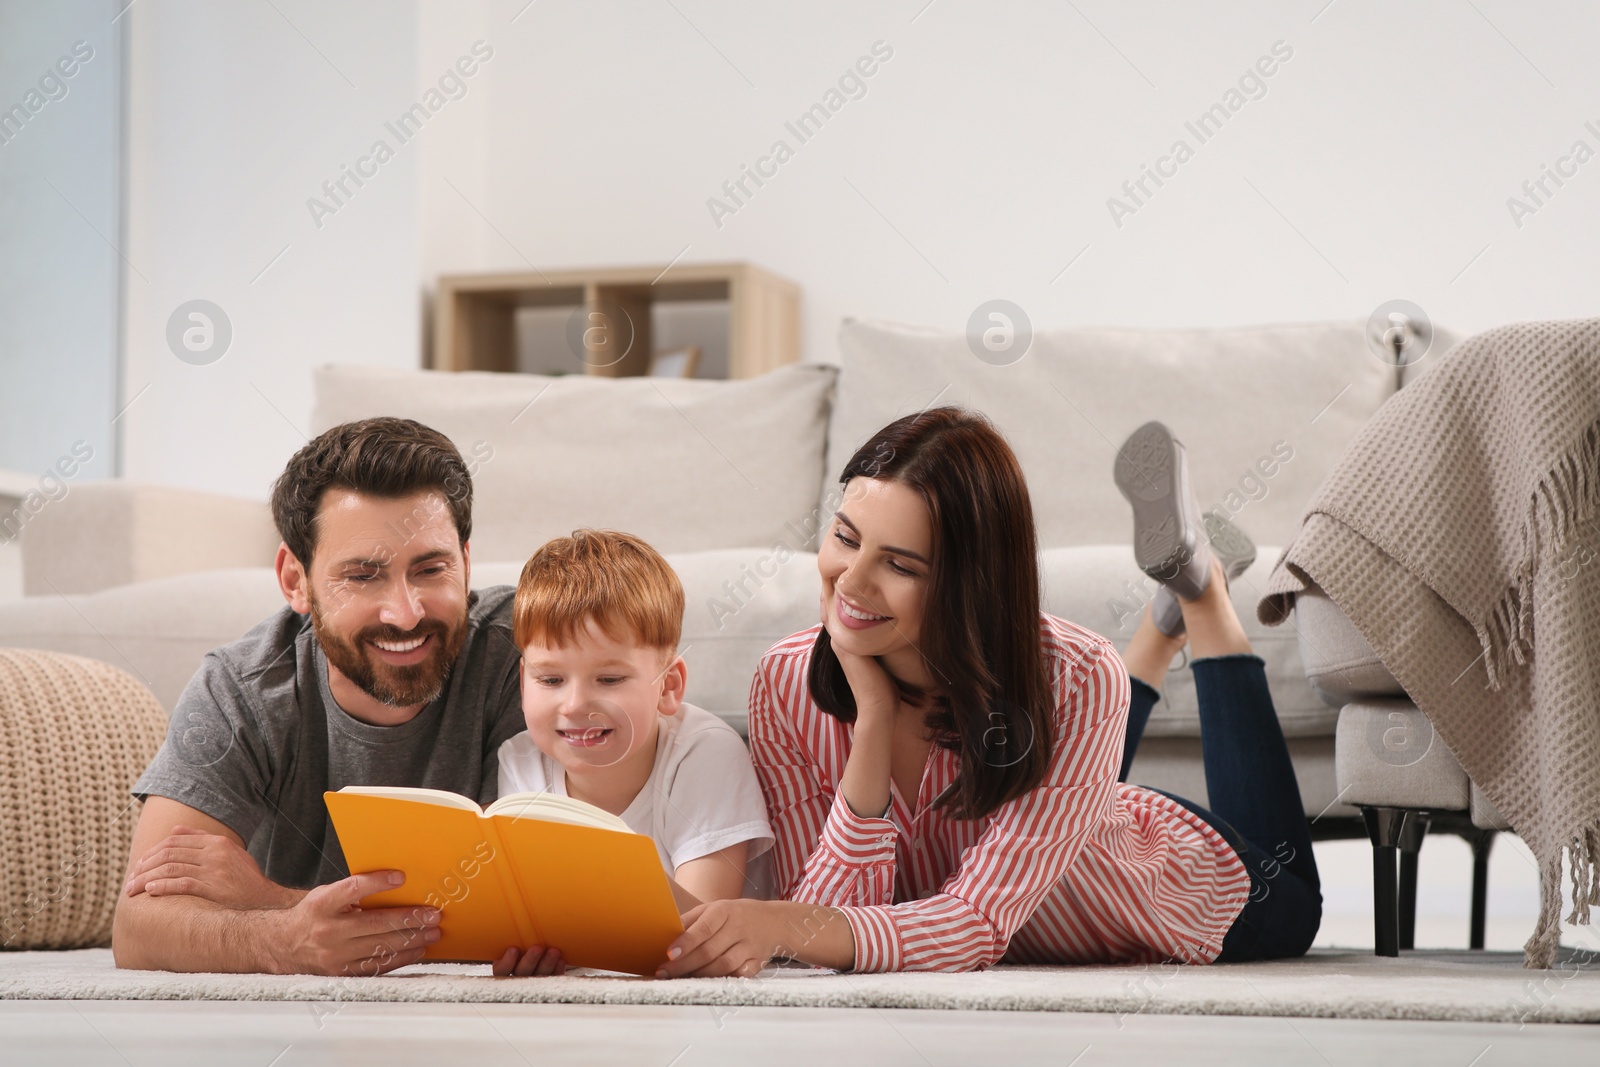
[(1168, 543), (1231, 545)]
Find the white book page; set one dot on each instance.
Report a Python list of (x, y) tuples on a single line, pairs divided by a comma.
[(553, 808), (440, 797)]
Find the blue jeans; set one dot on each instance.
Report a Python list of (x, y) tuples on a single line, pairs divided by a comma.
[(1255, 804)]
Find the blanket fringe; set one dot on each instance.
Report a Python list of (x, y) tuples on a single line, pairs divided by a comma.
[(1563, 499), (1583, 862)]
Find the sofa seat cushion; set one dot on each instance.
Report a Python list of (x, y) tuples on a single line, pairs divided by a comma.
[(1100, 587), (158, 630), (1387, 754), (1175, 765), (1264, 411), (739, 602), (687, 465)]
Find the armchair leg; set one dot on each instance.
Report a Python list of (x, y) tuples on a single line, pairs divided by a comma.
[(1481, 843), (1411, 836), (1385, 827)]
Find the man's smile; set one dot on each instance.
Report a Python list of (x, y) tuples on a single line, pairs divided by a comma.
[(402, 653)]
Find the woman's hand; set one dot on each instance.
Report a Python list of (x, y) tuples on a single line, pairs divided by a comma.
[(536, 962), (867, 768), (724, 937), (865, 783), (738, 937), (875, 693), (877, 698)]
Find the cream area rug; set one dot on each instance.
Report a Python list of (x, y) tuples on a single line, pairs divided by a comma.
[(1331, 983)]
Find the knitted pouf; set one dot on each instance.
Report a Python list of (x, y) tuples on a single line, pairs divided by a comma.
[(75, 733)]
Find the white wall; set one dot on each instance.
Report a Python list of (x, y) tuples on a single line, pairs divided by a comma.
[(979, 163), (238, 113)]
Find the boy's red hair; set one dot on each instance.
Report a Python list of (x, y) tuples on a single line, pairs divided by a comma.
[(614, 578)]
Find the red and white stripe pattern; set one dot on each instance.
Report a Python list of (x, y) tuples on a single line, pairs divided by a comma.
[(1080, 869)]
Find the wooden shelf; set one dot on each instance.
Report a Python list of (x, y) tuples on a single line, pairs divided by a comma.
[(474, 315)]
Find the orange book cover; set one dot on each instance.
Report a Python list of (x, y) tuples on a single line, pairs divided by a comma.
[(531, 869)]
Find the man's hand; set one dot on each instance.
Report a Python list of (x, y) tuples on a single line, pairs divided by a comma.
[(536, 962), (278, 930), (191, 862), (328, 932)]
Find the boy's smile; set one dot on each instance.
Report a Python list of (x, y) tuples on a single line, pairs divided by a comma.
[(586, 738)]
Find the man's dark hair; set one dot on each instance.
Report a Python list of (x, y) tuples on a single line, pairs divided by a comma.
[(383, 457)]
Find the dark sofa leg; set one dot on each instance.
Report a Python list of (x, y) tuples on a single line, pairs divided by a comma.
[(1416, 828), (1385, 827), (1481, 843)]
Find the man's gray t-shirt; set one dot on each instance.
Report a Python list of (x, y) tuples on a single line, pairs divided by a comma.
[(256, 738)]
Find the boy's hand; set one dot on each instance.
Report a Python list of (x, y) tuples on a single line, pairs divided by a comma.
[(194, 863), (536, 962)]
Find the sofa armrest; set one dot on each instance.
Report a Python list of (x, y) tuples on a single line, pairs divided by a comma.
[(1339, 662), (110, 533)]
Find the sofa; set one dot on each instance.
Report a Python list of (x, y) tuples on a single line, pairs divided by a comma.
[(732, 480)]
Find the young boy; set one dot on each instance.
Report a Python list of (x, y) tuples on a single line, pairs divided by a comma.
[(597, 617)]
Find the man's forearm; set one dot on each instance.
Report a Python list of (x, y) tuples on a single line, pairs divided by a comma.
[(284, 897), (182, 933)]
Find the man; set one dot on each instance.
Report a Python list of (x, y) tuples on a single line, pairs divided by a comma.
[(383, 669)]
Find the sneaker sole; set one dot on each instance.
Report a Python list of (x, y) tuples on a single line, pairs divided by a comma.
[(1147, 472)]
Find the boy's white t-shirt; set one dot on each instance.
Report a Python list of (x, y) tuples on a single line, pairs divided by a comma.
[(701, 797)]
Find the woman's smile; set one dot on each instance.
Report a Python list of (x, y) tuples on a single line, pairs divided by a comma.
[(856, 618)]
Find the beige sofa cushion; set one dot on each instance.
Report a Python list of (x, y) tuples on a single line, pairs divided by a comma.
[(158, 630), (1100, 587), (738, 603), (1231, 395), (687, 465), (108, 533), (1387, 754)]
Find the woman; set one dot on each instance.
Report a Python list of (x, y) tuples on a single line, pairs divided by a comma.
[(941, 760)]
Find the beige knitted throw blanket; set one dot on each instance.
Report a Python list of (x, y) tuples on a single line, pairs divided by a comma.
[(1459, 534)]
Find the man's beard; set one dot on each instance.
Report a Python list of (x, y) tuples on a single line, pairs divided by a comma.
[(398, 687)]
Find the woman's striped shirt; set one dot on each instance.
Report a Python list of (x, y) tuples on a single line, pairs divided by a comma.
[(1080, 869)]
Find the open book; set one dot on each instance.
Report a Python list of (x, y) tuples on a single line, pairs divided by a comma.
[(531, 869)]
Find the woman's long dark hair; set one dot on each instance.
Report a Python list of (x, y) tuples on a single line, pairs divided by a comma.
[(980, 623)]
